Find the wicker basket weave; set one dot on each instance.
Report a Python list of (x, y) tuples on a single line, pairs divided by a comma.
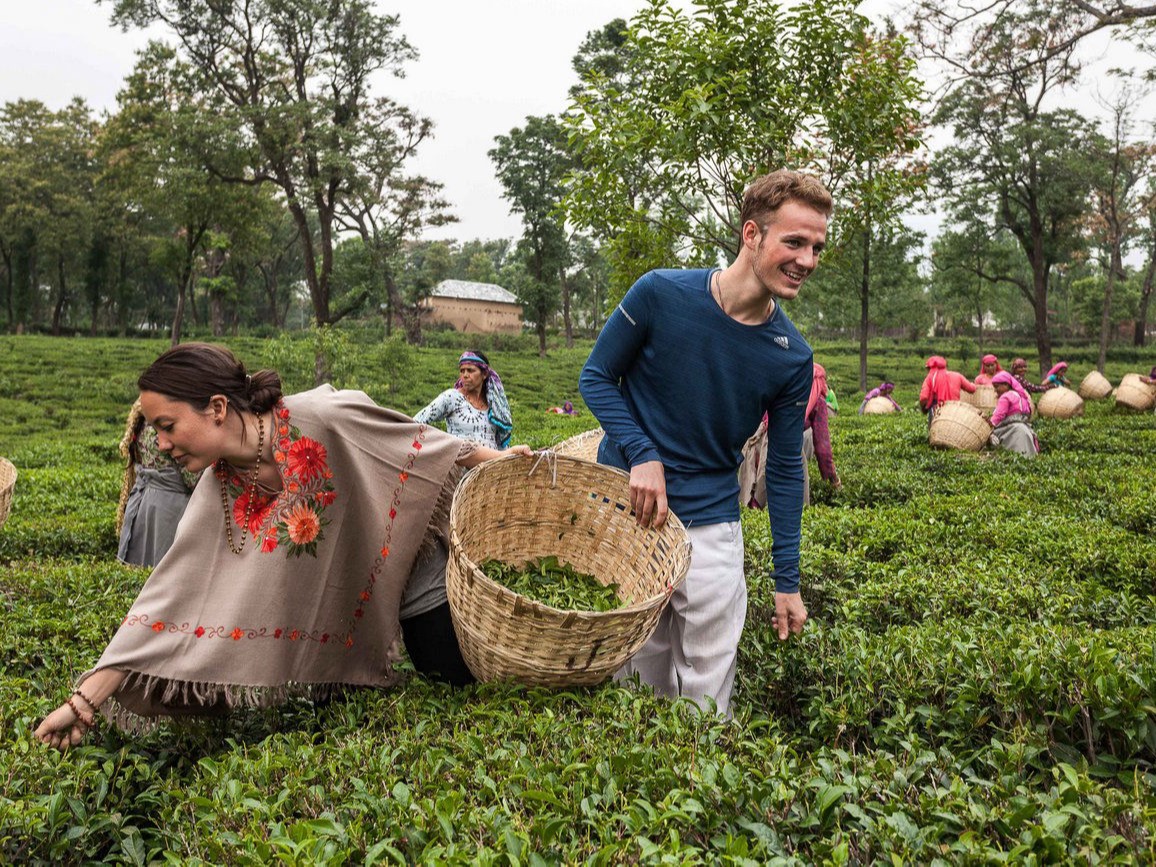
[(878, 406), (518, 508), (1095, 386), (7, 485), (1134, 393), (957, 425), (583, 445), (984, 399), (1060, 402)]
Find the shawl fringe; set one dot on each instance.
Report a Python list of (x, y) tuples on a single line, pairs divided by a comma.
[(197, 701)]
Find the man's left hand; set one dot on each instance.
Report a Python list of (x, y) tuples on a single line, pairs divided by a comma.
[(790, 614)]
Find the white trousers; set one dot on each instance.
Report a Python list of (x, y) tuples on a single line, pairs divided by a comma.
[(692, 654)]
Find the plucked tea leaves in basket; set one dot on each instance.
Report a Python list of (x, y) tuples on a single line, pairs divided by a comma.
[(517, 509)]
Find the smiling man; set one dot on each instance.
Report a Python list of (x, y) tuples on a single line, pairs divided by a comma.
[(679, 378)]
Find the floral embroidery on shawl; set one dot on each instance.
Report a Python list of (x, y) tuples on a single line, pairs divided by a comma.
[(288, 632), (295, 517)]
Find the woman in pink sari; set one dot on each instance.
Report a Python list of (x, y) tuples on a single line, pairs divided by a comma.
[(1011, 427)]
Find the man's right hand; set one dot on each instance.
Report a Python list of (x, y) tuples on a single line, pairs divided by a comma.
[(648, 494)]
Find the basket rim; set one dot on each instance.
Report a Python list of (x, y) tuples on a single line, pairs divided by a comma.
[(635, 608)]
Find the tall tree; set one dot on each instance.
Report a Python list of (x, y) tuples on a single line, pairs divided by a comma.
[(156, 146), (707, 98), (290, 81), (1027, 163), (532, 162), (1122, 167)]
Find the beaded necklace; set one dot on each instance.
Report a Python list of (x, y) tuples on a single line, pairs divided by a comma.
[(252, 490)]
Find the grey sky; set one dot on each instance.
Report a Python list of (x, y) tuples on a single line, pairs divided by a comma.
[(484, 66)]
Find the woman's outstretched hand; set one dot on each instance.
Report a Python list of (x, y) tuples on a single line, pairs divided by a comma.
[(519, 450), (63, 728)]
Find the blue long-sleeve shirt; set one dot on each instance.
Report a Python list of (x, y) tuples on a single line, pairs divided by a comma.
[(674, 379)]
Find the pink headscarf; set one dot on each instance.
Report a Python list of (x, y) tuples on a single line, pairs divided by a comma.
[(990, 359), (1059, 367), (936, 362), (818, 389), (1005, 378)]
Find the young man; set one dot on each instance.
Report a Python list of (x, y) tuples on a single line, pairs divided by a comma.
[(679, 379)]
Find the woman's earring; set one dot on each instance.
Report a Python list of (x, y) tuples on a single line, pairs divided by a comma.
[(219, 422)]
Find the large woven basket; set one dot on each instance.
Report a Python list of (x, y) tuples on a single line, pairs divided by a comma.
[(583, 445), (7, 485), (984, 399), (1060, 402), (878, 406), (519, 508), (957, 425), (1095, 386), (1134, 393)]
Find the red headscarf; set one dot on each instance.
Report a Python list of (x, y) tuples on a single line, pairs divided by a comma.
[(818, 389), (990, 359)]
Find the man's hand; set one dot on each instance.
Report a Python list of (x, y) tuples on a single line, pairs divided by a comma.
[(790, 614), (648, 494)]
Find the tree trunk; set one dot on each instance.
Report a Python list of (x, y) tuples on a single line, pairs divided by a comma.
[(1139, 338), (61, 297), (566, 311), (1114, 268), (541, 329), (864, 298), (8, 276), (1040, 307)]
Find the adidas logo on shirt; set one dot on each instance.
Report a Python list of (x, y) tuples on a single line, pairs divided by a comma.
[(782, 341)]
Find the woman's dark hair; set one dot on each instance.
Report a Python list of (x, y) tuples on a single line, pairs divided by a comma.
[(194, 372)]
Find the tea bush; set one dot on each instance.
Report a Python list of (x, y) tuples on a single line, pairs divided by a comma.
[(977, 683)]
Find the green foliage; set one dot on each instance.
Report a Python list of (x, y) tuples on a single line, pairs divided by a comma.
[(676, 113), (558, 585), (975, 684)]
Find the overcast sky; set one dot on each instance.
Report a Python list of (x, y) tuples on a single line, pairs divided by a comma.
[(484, 66)]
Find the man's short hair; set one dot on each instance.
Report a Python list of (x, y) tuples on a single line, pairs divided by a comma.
[(771, 191)]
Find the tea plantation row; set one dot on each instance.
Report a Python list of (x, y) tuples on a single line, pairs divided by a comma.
[(977, 683)]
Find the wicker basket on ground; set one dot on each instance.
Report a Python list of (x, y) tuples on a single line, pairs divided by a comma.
[(984, 399), (1095, 386), (519, 508), (583, 445), (1135, 393), (957, 425), (878, 406), (1060, 402), (7, 486)]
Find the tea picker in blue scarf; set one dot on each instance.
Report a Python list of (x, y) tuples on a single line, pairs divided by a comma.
[(476, 407)]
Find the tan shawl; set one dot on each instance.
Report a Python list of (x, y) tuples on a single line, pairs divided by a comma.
[(312, 601)]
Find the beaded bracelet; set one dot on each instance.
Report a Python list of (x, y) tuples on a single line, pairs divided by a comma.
[(92, 704), (87, 722)]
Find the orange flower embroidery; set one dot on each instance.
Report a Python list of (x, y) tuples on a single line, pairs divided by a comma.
[(270, 541), (159, 626), (304, 525), (237, 633)]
